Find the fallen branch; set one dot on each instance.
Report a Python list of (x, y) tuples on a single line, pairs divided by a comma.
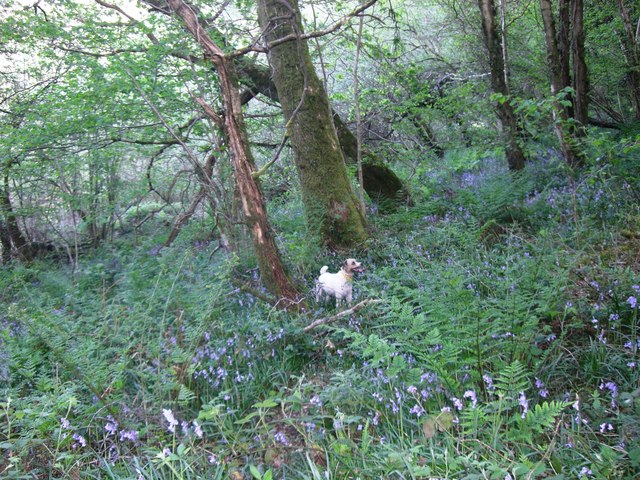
[(344, 313)]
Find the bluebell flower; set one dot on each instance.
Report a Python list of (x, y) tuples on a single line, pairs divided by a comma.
[(168, 415)]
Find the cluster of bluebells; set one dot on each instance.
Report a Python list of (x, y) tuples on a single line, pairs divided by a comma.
[(186, 427), (613, 390), (233, 359), (66, 428), (124, 435)]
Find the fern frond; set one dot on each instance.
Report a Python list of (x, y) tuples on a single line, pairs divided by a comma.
[(512, 379)]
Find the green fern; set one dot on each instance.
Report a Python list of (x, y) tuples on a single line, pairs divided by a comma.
[(512, 380), (544, 415)]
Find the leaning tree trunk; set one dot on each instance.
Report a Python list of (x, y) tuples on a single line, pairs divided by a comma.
[(504, 109), (331, 206), (631, 55), (269, 262), (566, 135)]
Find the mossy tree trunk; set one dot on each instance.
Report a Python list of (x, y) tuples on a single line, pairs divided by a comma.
[(266, 251), (331, 206)]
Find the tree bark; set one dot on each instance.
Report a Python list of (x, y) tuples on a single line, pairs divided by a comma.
[(331, 206), (569, 144), (632, 56), (506, 115), (270, 264), (5, 241), (20, 244), (580, 81)]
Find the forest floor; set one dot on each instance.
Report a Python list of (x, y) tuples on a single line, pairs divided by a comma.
[(504, 344)]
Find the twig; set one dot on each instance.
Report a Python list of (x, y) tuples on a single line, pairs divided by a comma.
[(344, 313), (294, 36)]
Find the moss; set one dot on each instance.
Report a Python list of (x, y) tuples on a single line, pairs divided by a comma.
[(331, 206)]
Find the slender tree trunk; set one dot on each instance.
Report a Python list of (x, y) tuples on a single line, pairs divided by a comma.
[(563, 42), (503, 36), (331, 206), (506, 115), (566, 134), (632, 55), (580, 80), (270, 264), (20, 244)]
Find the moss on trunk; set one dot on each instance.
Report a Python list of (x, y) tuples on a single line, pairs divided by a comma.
[(331, 206)]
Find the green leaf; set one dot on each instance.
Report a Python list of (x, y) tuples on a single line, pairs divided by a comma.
[(269, 403), (255, 472)]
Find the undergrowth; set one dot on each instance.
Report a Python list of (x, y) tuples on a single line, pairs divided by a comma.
[(505, 345)]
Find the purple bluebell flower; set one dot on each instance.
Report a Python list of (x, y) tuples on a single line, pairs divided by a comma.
[(632, 301), (613, 388), (524, 403), (111, 426), (376, 418), (605, 426), (585, 472), (64, 423), (280, 437), (131, 435), (417, 410), (168, 415), (471, 395), (197, 429), (412, 389), (80, 439), (317, 401), (457, 403), (488, 381)]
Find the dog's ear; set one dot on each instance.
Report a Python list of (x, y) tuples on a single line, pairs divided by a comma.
[(345, 264)]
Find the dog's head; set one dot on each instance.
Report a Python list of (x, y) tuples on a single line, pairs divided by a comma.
[(351, 265)]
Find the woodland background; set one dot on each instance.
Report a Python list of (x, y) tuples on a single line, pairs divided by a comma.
[(174, 176)]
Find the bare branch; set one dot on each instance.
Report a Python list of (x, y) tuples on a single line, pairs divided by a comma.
[(318, 33), (344, 313)]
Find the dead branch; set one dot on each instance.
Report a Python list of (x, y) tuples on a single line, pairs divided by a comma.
[(344, 313)]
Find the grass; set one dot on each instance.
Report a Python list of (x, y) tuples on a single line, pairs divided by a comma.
[(505, 346)]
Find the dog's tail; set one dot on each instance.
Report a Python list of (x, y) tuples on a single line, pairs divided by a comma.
[(324, 270)]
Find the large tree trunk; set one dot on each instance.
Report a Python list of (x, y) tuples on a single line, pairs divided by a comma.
[(330, 204), (504, 109), (631, 55), (557, 67), (5, 241), (270, 264)]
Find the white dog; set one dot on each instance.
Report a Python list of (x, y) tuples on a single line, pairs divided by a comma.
[(337, 285)]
